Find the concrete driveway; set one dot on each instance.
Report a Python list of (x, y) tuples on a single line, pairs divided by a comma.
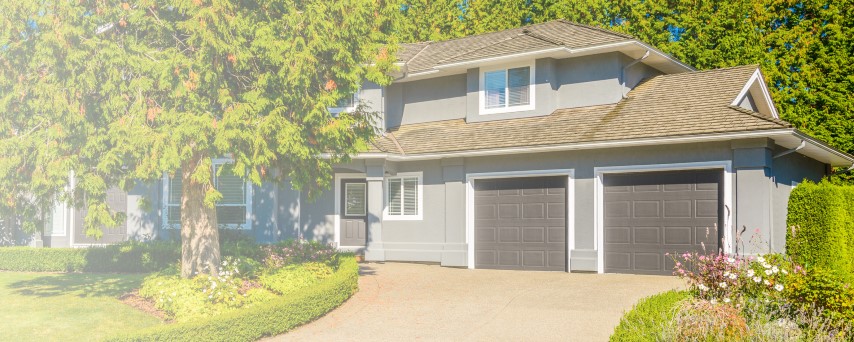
[(401, 302)]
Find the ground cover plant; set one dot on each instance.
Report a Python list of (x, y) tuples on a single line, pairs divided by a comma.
[(241, 281)]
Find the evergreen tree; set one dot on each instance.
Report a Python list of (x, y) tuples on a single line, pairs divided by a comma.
[(120, 93)]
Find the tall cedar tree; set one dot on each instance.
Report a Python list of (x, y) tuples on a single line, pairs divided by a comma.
[(118, 93)]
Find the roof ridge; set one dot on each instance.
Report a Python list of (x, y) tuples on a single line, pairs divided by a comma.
[(396, 143), (624, 35), (417, 53), (540, 37), (763, 117), (745, 66)]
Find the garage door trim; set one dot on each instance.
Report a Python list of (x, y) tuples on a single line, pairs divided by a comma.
[(570, 204), (600, 172)]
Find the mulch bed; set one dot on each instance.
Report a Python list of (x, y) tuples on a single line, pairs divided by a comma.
[(134, 300)]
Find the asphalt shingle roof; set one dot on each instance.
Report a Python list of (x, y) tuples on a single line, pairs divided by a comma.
[(683, 104), (557, 33)]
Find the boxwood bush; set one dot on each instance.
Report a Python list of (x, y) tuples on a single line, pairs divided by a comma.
[(647, 319), (821, 226), (127, 257), (268, 319)]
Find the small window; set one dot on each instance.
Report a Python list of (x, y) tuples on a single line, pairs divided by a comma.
[(232, 211), (355, 199), (404, 197), (345, 104), (506, 90)]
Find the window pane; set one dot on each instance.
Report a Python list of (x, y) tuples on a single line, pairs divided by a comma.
[(346, 101), (231, 215), (174, 214), (232, 187), (410, 196), (175, 188), (519, 80), (394, 197), (355, 199), (495, 83)]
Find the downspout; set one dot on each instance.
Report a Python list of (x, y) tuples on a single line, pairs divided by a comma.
[(851, 168), (623, 72)]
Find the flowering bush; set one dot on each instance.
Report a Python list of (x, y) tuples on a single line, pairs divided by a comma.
[(729, 278), (296, 251), (702, 320)]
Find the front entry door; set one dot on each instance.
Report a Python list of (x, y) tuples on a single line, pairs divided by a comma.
[(354, 213)]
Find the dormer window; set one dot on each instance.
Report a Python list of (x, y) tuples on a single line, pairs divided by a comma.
[(507, 89)]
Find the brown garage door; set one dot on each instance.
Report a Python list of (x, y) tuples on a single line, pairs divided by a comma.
[(520, 223), (650, 214)]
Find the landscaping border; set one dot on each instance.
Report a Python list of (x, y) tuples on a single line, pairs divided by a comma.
[(266, 319), (127, 257)]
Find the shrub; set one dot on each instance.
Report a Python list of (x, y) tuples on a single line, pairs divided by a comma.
[(269, 318), (294, 278), (821, 217), (819, 289), (703, 320), (296, 251), (730, 278), (649, 317), (128, 257)]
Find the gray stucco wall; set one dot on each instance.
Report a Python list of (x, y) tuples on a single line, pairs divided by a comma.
[(434, 99), (788, 171)]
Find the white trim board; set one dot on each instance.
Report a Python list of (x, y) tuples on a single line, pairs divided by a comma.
[(599, 196), (337, 214), (755, 78), (420, 199), (570, 205)]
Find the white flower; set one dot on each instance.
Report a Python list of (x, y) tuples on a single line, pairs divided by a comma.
[(726, 300), (775, 269), (760, 259), (784, 271), (766, 282), (213, 285), (733, 276), (726, 274), (750, 273), (766, 265), (768, 272), (730, 260), (778, 287), (702, 287), (757, 279), (713, 301), (722, 285)]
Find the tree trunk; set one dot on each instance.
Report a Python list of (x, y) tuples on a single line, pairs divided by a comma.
[(199, 234)]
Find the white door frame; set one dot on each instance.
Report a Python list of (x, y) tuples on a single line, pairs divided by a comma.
[(599, 197), (570, 204), (337, 220)]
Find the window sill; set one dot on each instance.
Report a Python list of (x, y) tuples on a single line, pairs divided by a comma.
[(403, 218), (485, 111)]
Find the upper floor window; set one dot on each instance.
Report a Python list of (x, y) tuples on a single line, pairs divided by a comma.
[(232, 211), (507, 89), (345, 104)]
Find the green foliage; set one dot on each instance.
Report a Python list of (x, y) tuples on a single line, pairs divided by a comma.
[(646, 320), (269, 318), (128, 257), (820, 289), (119, 93), (203, 296), (296, 251), (821, 221), (294, 278)]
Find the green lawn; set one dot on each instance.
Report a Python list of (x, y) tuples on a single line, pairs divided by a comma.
[(67, 307)]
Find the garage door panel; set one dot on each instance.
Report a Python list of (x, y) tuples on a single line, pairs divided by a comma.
[(650, 214), (529, 223)]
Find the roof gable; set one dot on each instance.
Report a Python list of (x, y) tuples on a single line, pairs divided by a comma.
[(754, 95)]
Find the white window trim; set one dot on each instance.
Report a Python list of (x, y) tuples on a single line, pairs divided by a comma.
[(420, 204), (164, 214), (339, 110), (531, 89)]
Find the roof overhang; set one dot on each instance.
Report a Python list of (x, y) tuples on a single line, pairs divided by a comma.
[(787, 138), (632, 48)]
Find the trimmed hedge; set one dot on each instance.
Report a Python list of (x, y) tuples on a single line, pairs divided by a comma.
[(821, 226), (647, 318), (128, 257), (267, 319)]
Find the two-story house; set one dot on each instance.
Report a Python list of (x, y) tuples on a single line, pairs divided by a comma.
[(555, 146)]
